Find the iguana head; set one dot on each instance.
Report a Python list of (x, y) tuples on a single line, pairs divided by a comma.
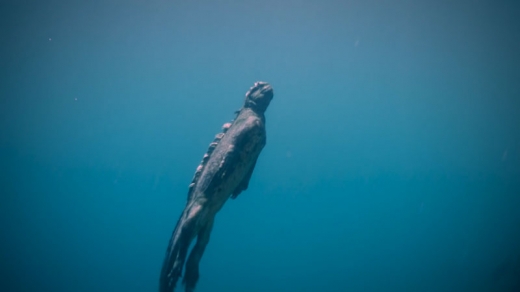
[(259, 96)]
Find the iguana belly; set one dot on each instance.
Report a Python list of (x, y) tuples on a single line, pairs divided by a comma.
[(229, 165)]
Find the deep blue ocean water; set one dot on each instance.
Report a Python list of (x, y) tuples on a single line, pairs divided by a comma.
[(393, 143)]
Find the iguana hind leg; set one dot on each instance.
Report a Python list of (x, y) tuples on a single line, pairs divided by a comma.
[(191, 276), (182, 236)]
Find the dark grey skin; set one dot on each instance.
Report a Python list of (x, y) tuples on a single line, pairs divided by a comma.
[(225, 172)]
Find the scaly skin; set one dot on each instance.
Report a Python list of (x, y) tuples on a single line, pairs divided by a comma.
[(224, 172)]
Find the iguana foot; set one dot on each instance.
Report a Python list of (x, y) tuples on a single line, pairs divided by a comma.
[(191, 276)]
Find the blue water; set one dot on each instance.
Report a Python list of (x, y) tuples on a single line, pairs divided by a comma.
[(393, 143)]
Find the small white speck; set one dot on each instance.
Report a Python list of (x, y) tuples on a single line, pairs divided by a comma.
[(50, 39), (356, 43), (75, 98)]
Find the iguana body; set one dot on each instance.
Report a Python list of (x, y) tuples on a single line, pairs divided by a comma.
[(224, 172)]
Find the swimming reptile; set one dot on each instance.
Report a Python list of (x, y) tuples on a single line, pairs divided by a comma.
[(224, 172)]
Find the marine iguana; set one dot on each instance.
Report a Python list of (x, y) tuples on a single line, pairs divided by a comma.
[(224, 172)]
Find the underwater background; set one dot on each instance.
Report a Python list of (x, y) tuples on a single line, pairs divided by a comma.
[(393, 143)]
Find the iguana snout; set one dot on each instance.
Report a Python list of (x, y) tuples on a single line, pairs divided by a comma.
[(259, 96)]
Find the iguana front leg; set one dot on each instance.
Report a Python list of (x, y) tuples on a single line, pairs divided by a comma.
[(244, 183)]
